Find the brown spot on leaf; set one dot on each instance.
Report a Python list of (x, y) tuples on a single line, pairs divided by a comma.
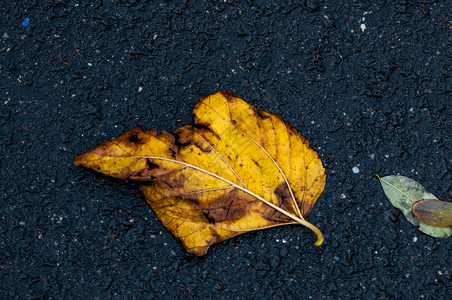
[(260, 113), (285, 201), (230, 206), (151, 165), (134, 138)]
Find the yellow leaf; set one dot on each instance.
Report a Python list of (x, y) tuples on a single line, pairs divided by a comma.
[(235, 170)]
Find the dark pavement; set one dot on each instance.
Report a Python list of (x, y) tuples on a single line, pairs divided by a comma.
[(368, 83)]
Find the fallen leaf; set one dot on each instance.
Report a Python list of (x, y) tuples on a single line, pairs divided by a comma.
[(237, 169), (434, 212), (403, 193)]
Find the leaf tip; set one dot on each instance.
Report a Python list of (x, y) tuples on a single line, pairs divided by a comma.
[(79, 159)]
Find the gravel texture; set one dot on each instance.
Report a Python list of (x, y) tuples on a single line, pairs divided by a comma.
[(368, 83)]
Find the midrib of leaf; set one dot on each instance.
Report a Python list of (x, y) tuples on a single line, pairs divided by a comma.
[(293, 217), (268, 154), (394, 187)]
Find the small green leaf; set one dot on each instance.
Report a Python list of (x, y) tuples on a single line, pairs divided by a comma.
[(403, 193), (434, 212)]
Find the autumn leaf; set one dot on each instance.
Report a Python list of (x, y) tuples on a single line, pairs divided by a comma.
[(406, 194), (237, 169)]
